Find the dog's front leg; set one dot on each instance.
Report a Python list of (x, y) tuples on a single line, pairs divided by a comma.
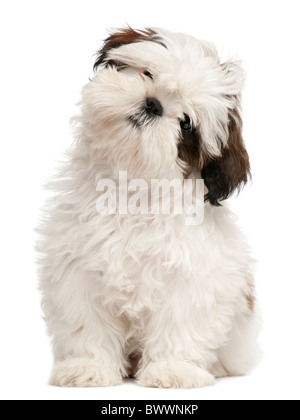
[(87, 337), (175, 354)]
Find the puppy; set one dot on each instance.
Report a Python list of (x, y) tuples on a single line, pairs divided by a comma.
[(144, 294)]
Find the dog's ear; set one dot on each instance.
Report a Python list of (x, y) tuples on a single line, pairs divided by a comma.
[(230, 171), (124, 37)]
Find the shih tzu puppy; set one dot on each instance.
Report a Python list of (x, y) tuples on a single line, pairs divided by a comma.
[(145, 294)]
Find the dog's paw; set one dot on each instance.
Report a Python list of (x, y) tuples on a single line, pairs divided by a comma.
[(82, 372), (174, 375)]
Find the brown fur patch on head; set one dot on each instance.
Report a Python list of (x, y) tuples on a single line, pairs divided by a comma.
[(189, 150), (124, 37), (229, 172)]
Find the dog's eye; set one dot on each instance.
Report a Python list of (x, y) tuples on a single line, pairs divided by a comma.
[(147, 73), (186, 124)]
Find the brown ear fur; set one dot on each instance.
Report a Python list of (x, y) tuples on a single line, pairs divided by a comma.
[(224, 174), (124, 37)]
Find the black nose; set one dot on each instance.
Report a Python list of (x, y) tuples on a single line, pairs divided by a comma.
[(153, 107)]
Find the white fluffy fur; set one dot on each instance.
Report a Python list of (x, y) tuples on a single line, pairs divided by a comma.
[(117, 284)]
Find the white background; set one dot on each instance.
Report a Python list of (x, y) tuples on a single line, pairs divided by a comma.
[(46, 56)]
